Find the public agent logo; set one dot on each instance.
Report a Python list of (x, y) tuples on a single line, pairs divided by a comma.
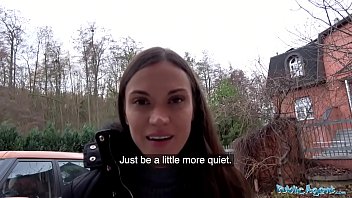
[(308, 190)]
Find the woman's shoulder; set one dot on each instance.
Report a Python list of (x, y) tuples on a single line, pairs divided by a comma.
[(85, 185)]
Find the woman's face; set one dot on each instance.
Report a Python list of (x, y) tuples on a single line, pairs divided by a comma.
[(159, 108)]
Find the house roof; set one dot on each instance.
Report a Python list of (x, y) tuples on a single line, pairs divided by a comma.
[(311, 54), (279, 70), (335, 26)]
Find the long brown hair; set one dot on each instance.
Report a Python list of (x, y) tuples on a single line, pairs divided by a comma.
[(203, 140)]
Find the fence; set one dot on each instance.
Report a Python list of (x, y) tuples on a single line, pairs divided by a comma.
[(327, 140), (229, 149)]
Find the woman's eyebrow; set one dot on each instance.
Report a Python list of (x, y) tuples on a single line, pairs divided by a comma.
[(176, 90), (170, 92), (139, 92)]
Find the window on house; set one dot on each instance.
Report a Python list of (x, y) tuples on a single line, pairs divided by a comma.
[(348, 84), (295, 64), (304, 109)]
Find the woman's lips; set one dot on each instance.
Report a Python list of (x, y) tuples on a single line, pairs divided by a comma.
[(159, 141), (159, 138)]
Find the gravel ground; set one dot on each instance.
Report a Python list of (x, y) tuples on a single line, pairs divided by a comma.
[(328, 171)]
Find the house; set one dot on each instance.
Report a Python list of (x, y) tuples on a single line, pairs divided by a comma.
[(313, 84)]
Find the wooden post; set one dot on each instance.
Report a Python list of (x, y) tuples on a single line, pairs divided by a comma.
[(256, 187)]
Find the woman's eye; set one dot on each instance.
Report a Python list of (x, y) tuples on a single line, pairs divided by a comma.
[(176, 100), (141, 102)]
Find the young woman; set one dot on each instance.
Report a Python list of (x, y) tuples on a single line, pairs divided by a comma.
[(162, 111)]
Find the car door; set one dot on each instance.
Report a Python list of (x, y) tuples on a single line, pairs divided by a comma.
[(69, 170), (30, 178), (5, 165)]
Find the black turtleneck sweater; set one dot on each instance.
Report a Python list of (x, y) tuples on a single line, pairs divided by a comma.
[(151, 182)]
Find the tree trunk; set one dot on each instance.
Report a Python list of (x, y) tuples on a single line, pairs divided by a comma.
[(36, 68), (11, 64), (88, 90), (29, 75), (46, 74), (14, 65)]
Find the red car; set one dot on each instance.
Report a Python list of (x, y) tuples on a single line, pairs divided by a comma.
[(38, 174)]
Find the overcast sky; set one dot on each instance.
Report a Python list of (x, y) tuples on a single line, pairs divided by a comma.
[(236, 33)]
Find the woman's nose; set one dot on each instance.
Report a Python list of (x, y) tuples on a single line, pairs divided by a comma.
[(159, 117)]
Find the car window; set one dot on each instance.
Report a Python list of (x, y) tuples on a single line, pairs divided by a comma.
[(30, 179), (71, 169)]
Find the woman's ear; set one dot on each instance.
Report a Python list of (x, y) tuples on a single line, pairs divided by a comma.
[(126, 119)]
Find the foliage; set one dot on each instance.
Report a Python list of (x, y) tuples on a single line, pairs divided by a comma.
[(71, 140), (235, 106), (228, 123), (87, 134), (48, 139), (8, 137), (224, 92)]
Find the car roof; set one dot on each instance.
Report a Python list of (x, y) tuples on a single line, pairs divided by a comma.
[(40, 155)]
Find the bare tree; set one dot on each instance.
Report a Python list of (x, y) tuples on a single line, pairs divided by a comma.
[(336, 19), (121, 53), (3, 57), (82, 45), (204, 70), (208, 72), (190, 59), (27, 55), (93, 44), (12, 33)]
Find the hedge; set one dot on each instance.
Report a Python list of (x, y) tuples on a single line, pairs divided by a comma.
[(48, 139)]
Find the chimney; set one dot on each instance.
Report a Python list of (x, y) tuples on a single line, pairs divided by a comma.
[(336, 20)]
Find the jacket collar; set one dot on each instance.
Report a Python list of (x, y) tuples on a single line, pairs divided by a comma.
[(109, 147), (97, 154)]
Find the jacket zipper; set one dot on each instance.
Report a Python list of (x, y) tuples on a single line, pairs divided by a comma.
[(123, 184), (118, 168)]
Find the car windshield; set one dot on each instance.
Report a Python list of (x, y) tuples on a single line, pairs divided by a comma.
[(1, 161)]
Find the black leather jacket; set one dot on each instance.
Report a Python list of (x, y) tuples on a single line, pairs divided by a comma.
[(104, 178), (107, 178)]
